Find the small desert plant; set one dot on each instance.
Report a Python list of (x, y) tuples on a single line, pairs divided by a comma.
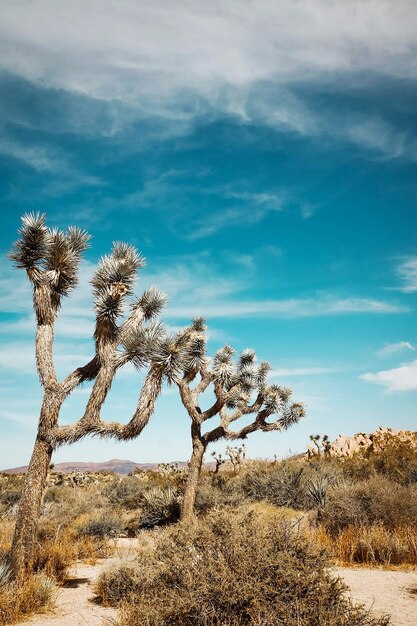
[(125, 492), (374, 501), (282, 484), (160, 506), (101, 527), (20, 599)]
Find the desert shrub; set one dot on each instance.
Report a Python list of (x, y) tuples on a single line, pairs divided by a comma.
[(159, 506), (125, 492), (100, 527), (377, 500), (231, 568), (207, 497), (397, 461), (281, 484), (20, 599)]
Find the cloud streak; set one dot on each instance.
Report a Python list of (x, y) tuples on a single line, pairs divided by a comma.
[(392, 348), (407, 272)]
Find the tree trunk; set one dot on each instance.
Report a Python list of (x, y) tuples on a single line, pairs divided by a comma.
[(194, 470), (22, 552)]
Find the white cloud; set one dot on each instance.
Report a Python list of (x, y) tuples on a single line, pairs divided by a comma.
[(391, 348), (131, 50), (403, 378), (408, 274), (178, 60)]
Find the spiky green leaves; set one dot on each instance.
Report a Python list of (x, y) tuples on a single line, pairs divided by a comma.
[(49, 255), (62, 259), (151, 302), (144, 345), (223, 368), (29, 250), (114, 279), (170, 356)]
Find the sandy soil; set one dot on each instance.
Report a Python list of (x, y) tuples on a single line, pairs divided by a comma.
[(75, 605), (384, 592)]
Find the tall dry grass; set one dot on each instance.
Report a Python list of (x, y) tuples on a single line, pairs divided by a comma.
[(371, 545)]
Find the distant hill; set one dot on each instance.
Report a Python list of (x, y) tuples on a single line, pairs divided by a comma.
[(117, 466)]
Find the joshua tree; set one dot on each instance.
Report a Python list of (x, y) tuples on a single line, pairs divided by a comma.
[(51, 258), (240, 389), (322, 446), (236, 456), (219, 460)]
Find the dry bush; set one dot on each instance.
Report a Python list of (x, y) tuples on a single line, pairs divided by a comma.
[(54, 556), (125, 492), (372, 545), (281, 483), (374, 501), (230, 568), (18, 600)]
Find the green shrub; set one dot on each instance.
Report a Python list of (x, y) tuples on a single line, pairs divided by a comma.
[(125, 492), (101, 527)]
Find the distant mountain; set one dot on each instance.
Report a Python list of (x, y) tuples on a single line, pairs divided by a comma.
[(117, 466)]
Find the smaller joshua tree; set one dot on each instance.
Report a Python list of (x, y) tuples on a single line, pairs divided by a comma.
[(240, 389), (321, 446), (237, 455)]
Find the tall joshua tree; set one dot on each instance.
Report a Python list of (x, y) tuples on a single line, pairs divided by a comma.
[(240, 389), (51, 258)]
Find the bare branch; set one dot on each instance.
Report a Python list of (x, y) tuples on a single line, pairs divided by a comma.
[(145, 407)]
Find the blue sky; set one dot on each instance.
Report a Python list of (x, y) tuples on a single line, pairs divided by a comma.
[(262, 156)]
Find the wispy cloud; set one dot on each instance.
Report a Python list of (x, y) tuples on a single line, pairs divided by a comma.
[(322, 305), (392, 348), (403, 378), (407, 272), (300, 371)]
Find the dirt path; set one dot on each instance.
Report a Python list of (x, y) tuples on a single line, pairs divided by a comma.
[(75, 604), (384, 592)]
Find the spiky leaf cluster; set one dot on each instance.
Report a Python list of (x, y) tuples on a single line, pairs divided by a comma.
[(29, 250), (55, 254), (223, 368), (170, 355), (114, 280), (151, 302), (144, 344), (62, 257)]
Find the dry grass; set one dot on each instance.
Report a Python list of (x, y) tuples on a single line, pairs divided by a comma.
[(18, 600), (371, 545)]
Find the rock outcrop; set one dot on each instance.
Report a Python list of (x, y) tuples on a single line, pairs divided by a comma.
[(367, 442)]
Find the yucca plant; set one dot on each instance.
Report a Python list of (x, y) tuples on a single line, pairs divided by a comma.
[(5, 574), (51, 259), (160, 505)]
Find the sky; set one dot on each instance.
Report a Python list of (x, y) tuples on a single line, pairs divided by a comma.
[(261, 156)]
